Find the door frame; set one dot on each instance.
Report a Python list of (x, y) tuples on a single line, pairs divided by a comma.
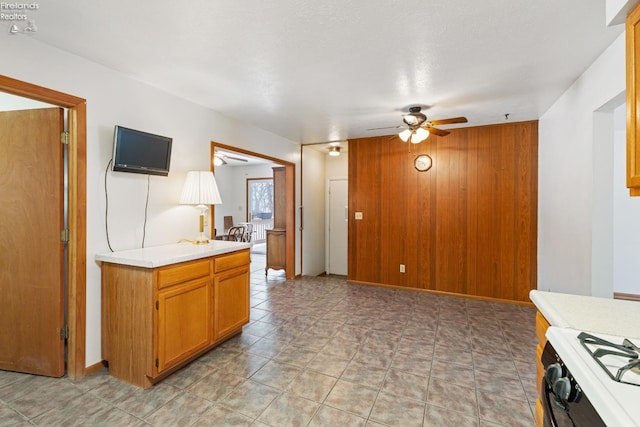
[(77, 183), (290, 194)]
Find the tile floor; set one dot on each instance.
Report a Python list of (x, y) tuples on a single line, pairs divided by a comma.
[(320, 352)]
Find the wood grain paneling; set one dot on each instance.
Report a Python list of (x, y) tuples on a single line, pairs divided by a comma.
[(466, 226)]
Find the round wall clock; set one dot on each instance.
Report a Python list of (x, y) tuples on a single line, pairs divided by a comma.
[(422, 163)]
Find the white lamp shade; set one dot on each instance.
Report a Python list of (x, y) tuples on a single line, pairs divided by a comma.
[(200, 188)]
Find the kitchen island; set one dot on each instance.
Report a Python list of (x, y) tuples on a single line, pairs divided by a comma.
[(560, 319), (164, 306)]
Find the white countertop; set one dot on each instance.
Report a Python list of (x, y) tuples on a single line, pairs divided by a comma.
[(157, 256), (589, 314)]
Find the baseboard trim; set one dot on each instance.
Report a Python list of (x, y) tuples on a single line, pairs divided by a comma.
[(95, 367), (628, 297), (451, 294)]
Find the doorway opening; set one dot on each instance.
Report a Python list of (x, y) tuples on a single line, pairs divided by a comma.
[(76, 183), (289, 199)]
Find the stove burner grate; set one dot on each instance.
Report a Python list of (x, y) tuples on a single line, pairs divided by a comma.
[(598, 348)]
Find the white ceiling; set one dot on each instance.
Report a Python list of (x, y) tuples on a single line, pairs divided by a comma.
[(314, 71)]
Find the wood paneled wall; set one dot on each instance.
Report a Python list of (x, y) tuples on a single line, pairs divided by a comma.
[(466, 226)]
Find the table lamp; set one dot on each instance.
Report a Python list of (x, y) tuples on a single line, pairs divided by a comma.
[(200, 189)]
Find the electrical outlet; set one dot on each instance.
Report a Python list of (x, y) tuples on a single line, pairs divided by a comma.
[(401, 268), (358, 215)]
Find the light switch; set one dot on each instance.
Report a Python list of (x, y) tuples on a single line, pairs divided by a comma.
[(358, 215)]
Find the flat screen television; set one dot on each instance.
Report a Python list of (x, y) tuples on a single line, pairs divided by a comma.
[(141, 152)]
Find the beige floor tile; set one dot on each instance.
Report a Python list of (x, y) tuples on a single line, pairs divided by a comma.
[(321, 352)]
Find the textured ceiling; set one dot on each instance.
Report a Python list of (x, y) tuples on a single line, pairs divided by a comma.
[(314, 71)]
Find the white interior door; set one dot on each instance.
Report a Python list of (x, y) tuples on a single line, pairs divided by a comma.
[(338, 222)]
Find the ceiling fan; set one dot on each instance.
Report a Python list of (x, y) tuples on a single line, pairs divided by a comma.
[(417, 127), (221, 158)]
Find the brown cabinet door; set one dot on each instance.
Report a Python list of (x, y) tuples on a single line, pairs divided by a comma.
[(183, 322), (231, 301), (633, 100), (279, 198), (276, 250)]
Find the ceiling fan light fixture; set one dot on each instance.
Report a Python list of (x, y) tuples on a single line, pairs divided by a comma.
[(334, 151), (410, 119), (419, 135), (405, 134)]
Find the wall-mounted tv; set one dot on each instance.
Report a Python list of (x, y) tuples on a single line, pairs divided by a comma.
[(141, 152)]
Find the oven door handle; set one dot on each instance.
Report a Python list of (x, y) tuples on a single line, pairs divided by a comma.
[(550, 400)]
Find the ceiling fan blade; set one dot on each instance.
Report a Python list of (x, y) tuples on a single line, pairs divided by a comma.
[(449, 121), (240, 159), (390, 127), (438, 132)]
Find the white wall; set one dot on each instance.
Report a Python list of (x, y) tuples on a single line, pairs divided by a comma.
[(626, 217), (337, 167), (313, 201), (114, 98), (10, 102), (573, 209)]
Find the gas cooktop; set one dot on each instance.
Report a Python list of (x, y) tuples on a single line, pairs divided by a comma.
[(595, 360)]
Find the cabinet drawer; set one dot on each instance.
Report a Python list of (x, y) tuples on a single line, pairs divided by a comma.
[(226, 262), (183, 272)]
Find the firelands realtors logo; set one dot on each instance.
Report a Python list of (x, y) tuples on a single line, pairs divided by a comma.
[(19, 15)]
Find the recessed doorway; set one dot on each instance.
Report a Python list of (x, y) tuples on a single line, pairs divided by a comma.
[(289, 195)]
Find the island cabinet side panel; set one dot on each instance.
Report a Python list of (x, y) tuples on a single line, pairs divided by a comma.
[(542, 324), (127, 316)]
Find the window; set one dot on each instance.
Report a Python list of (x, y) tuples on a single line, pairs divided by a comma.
[(259, 198)]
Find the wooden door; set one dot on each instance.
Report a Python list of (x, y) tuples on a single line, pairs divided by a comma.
[(633, 101), (31, 251)]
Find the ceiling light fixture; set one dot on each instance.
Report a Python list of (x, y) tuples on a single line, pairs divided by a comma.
[(415, 136), (334, 151)]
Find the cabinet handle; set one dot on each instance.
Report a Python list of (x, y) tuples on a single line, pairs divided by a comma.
[(301, 224)]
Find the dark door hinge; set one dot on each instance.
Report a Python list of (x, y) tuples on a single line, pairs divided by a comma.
[(64, 235), (64, 138), (64, 332)]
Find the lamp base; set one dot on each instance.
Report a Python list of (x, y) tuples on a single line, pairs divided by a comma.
[(202, 239)]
